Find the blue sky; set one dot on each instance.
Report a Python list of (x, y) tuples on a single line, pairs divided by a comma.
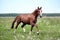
[(28, 6)]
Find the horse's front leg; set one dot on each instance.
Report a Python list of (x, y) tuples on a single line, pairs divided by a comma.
[(33, 24), (37, 29), (31, 29)]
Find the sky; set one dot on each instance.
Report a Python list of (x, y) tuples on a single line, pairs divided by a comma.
[(28, 6)]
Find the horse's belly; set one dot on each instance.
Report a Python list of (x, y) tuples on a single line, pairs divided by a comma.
[(26, 21)]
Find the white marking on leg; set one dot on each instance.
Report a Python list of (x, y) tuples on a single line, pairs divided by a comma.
[(24, 29), (37, 32)]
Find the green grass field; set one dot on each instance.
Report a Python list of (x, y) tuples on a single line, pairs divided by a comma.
[(49, 30)]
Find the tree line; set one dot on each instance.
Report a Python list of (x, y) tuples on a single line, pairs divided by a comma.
[(15, 14)]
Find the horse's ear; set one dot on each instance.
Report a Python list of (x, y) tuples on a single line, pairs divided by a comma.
[(40, 7)]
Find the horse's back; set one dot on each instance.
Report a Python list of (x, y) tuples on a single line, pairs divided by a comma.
[(24, 18)]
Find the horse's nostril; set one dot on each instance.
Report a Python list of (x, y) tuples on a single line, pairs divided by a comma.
[(40, 16)]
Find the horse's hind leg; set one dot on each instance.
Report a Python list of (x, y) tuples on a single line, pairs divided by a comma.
[(13, 23), (23, 27), (18, 22)]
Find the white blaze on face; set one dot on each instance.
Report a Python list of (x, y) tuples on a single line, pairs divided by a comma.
[(40, 12)]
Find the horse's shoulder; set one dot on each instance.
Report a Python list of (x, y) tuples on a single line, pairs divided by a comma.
[(31, 17)]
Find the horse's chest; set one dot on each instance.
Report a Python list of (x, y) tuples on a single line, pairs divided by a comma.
[(35, 20)]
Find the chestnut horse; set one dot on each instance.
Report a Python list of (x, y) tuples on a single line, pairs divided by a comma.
[(30, 19)]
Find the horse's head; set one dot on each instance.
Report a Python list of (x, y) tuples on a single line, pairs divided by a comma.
[(39, 11)]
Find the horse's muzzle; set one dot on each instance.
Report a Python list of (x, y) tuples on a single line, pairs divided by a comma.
[(40, 16)]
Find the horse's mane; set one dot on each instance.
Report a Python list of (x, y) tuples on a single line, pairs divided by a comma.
[(34, 11)]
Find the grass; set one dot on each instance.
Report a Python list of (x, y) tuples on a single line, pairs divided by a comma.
[(49, 30)]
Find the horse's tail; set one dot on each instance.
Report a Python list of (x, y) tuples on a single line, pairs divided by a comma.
[(13, 23)]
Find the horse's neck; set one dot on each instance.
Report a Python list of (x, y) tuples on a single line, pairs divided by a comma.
[(35, 15)]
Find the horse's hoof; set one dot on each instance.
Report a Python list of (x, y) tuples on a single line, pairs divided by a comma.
[(11, 27), (37, 33)]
